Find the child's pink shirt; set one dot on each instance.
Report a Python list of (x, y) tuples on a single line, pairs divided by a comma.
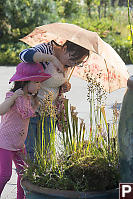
[(14, 124)]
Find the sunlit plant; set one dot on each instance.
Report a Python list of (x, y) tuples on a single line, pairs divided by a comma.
[(78, 157)]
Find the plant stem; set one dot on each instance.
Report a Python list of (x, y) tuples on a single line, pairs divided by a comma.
[(129, 21)]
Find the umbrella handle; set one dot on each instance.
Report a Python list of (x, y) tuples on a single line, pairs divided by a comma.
[(71, 74)]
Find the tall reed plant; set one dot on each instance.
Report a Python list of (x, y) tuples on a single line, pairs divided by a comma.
[(77, 157)]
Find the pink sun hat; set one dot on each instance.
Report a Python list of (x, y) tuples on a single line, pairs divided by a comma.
[(29, 72)]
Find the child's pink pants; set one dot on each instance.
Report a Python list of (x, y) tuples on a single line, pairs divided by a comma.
[(6, 158)]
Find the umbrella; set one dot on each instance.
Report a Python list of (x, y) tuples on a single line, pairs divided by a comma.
[(104, 64)]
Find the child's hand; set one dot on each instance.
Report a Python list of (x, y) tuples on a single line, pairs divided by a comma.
[(8, 103), (18, 93)]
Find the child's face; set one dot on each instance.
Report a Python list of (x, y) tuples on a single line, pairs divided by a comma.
[(33, 87)]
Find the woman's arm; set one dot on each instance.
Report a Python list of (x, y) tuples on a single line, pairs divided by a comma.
[(41, 53), (27, 54), (6, 105)]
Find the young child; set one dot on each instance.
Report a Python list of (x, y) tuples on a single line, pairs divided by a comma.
[(15, 120)]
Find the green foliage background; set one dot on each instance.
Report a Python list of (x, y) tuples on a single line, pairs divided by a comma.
[(19, 17)]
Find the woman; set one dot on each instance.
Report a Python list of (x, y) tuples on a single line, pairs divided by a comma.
[(57, 60)]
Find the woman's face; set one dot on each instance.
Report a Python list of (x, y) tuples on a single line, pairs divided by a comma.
[(65, 59), (33, 87)]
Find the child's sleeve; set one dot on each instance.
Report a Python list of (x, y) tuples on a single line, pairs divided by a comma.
[(24, 108)]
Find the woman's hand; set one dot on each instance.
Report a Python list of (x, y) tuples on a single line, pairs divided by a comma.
[(66, 87), (57, 64), (42, 57)]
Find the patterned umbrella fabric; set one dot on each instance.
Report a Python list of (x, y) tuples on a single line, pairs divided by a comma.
[(104, 64), (107, 68)]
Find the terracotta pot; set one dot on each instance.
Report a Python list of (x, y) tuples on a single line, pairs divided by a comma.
[(35, 192)]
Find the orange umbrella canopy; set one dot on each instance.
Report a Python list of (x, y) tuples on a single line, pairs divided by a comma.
[(104, 64)]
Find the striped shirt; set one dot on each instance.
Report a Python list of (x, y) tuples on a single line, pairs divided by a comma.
[(27, 54)]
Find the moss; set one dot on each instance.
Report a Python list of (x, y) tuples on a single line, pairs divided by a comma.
[(85, 174)]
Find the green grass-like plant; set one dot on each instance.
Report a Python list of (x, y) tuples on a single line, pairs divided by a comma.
[(77, 158)]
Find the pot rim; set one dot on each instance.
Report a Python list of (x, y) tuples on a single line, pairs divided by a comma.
[(65, 193)]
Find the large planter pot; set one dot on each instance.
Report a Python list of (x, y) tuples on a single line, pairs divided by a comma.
[(35, 192)]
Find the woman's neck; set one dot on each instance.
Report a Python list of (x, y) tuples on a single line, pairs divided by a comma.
[(57, 51)]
